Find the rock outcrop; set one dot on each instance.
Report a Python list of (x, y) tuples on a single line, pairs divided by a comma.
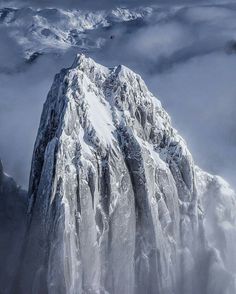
[(116, 202)]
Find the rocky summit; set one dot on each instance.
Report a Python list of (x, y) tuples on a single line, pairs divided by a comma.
[(116, 203)]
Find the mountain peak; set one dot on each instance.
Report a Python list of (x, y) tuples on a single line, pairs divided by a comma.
[(88, 65), (84, 63), (81, 61), (114, 185)]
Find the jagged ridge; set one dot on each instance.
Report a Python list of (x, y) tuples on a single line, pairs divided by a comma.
[(116, 202)]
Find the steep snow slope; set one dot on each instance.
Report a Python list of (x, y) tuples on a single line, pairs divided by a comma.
[(13, 207), (116, 202)]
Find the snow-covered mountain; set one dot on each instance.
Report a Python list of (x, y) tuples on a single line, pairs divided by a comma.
[(52, 30), (117, 204), (179, 30), (55, 30), (151, 40)]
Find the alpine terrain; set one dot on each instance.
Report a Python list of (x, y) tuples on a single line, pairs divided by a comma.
[(116, 203)]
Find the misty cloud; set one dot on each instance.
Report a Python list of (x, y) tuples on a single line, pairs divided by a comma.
[(170, 36), (11, 53), (22, 95), (201, 96)]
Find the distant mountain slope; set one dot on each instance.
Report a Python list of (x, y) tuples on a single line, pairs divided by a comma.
[(52, 30)]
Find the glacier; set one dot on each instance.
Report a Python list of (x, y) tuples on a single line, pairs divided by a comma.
[(116, 203)]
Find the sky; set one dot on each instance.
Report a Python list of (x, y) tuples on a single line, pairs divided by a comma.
[(184, 52)]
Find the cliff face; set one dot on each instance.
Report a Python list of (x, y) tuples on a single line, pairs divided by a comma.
[(116, 202)]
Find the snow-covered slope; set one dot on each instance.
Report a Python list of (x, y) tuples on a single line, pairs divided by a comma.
[(116, 202), (180, 31), (52, 30)]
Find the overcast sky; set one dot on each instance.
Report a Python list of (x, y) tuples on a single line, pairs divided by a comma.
[(94, 4), (185, 55)]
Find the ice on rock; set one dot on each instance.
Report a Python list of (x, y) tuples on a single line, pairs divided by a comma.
[(116, 202)]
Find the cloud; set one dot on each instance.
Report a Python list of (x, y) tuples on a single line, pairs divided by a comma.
[(11, 53), (22, 95), (172, 35), (155, 42), (201, 98)]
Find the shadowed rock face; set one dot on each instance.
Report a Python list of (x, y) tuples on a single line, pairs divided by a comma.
[(12, 229), (116, 202)]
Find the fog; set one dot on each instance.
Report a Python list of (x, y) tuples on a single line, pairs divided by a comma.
[(205, 117), (22, 96)]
